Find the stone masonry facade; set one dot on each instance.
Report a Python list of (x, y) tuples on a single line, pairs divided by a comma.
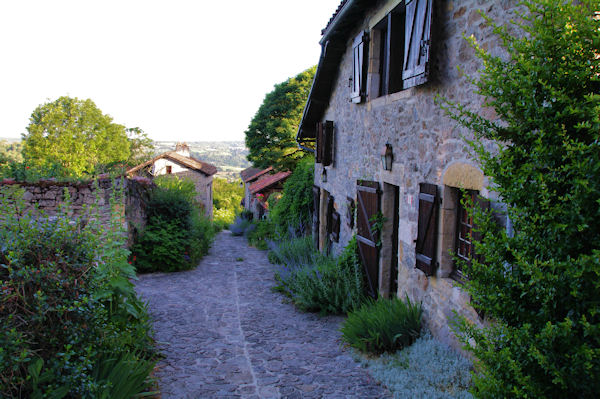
[(427, 146), (46, 196)]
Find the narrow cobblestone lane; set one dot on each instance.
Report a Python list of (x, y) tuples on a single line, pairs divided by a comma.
[(226, 334)]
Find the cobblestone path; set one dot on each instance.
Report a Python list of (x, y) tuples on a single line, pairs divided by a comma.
[(225, 334)]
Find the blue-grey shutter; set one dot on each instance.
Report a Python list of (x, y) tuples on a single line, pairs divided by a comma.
[(417, 40), (359, 67)]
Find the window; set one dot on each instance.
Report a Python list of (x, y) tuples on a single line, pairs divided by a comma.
[(169, 169), (358, 81), (400, 46), (466, 233)]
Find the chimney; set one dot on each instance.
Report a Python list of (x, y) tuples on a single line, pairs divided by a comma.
[(182, 149)]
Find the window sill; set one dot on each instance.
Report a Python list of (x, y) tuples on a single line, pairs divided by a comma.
[(391, 98)]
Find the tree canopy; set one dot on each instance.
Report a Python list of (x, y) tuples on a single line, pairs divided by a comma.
[(271, 135), (73, 138), (540, 286)]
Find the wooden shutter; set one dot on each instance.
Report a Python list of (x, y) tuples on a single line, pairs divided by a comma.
[(417, 42), (427, 228), (327, 140), (330, 210), (359, 67), (335, 227), (368, 203), (319, 144)]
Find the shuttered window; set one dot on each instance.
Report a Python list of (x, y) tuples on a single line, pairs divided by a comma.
[(427, 228), (368, 206), (325, 143), (359, 68), (350, 212), (417, 41), (335, 227)]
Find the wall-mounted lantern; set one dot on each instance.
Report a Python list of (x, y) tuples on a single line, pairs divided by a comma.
[(324, 176), (387, 157)]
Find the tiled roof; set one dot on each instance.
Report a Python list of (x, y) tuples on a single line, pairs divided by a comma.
[(189, 162), (267, 181), (335, 14), (250, 174)]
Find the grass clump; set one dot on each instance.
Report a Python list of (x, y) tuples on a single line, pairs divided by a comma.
[(239, 226), (426, 369), (317, 282), (385, 325)]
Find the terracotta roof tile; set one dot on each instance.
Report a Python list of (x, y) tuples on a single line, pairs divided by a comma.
[(189, 162), (267, 181), (335, 14), (250, 174)]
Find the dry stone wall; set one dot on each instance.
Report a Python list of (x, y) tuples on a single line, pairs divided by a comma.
[(426, 144), (129, 197)]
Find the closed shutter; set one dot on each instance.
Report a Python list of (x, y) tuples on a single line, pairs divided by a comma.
[(417, 40), (330, 210), (359, 67), (335, 227), (319, 149), (368, 206), (427, 228), (328, 142), (316, 211)]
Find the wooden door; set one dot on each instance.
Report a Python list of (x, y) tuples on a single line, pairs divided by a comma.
[(368, 199)]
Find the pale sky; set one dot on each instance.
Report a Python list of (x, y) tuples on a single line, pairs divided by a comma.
[(179, 69)]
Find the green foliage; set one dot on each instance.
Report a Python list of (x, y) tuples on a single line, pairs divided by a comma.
[(385, 325), (426, 369), (260, 233), (74, 137), (66, 302), (227, 201), (271, 135), (316, 282), (294, 208), (541, 285), (177, 234), (239, 226), (141, 147)]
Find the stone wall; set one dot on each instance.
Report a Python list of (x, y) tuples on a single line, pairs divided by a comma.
[(427, 146), (46, 196)]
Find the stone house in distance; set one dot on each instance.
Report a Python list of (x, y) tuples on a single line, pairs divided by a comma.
[(259, 185), (385, 150), (180, 163)]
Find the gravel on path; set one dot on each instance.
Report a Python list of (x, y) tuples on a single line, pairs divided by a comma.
[(225, 334)]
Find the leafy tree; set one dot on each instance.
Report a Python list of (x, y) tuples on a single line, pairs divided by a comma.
[(540, 287), (140, 145), (73, 137), (227, 198), (271, 135)]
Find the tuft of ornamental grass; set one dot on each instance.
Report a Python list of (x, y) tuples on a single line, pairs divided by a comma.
[(239, 226), (385, 325), (426, 369)]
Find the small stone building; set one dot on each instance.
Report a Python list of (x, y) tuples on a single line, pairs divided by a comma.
[(386, 152), (180, 163), (259, 185)]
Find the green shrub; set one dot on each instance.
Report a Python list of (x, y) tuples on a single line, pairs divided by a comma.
[(294, 208), (385, 325), (66, 302), (177, 234), (227, 198), (320, 283), (540, 286), (260, 233)]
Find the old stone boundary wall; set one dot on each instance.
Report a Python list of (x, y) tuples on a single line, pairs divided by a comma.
[(130, 197)]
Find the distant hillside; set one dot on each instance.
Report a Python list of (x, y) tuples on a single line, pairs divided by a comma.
[(228, 156)]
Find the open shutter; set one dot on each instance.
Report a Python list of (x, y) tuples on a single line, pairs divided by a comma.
[(330, 210), (368, 206), (427, 228), (327, 140), (319, 149), (359, 67), (350, 211), (335, 227), (417, 40)]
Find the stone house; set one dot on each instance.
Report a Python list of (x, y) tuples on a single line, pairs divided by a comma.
[(181, 164), (386, 152), (259, 185)]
